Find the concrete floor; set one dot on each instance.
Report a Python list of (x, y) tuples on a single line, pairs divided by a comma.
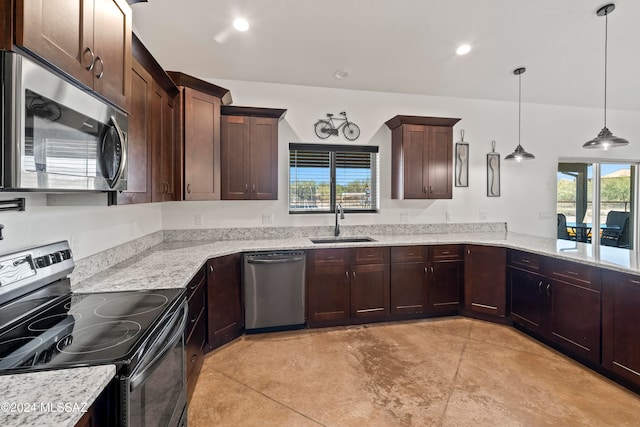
[(439, 372)]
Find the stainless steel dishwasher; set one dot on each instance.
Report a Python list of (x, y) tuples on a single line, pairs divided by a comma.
[(274, 290)]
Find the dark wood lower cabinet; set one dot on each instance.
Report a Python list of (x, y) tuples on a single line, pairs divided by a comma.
[(621, 325), (485, 280), (370, 291), (195, 332), (226, 320), (446, 282), (408, 288), (574, 318), (103, 412), (527, 292), (328, 294)]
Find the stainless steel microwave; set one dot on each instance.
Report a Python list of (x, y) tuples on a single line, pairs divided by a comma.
[(57, 137)]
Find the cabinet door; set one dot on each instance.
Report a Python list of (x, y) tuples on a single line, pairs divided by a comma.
[(112, 41), (485, 279), (439, 163), (201, 145), (168, 147), (139, 139), (415, 156), (527, 298), (621, 325), (328, 294), (263, 162), (445, 285), (59, 31), (574, 318), (408, 290), (224, 300), (235, 157), (158, 186), (370, 291)]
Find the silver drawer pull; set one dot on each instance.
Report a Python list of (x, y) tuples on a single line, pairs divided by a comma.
[(526, 261), (573, 273), (637, 282), (444, 252)]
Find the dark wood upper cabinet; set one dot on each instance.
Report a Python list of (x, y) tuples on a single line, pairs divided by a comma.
[(139, 144), (199, 137), (421, 157), (90, 40), (249, 153), (152, 131), (621, 325), (485, 279)]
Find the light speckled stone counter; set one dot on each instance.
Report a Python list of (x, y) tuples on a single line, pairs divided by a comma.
[(51, 398), (173, 264)]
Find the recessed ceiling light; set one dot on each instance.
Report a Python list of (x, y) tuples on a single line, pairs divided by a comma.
[(341, 74), (463, 49), (241, 24)]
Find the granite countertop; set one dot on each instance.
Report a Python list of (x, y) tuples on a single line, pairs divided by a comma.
[(172, 265), (51, 398)]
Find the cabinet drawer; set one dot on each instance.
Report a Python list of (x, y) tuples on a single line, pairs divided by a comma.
[(197, 304), (407, 254), (378, 255), (197, 282), (525, 260), (329, 257), (447, 253), (579, 274)]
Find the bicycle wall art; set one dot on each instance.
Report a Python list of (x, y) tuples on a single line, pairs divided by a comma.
[(324, 128)]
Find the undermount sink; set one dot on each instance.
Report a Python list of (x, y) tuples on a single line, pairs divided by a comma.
[(342, 240)]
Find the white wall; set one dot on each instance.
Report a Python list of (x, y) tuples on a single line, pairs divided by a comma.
[(528, 189), (90, 229)]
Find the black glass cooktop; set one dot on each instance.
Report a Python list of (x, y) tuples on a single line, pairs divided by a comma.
[(82, 329)]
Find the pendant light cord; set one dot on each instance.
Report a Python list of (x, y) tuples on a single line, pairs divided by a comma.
[(519, 105), (606, 32)]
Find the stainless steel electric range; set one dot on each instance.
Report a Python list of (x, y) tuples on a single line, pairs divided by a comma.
[(43, 325)]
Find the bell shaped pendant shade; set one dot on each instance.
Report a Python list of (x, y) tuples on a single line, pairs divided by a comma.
[(519, 154), (605, 138)]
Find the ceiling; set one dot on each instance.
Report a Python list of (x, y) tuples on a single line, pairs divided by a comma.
[(407, 46)]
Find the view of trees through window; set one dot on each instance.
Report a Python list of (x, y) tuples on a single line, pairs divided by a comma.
[(616, 207)]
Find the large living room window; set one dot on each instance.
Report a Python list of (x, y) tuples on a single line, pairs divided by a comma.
[(597, 199), (322, 176)]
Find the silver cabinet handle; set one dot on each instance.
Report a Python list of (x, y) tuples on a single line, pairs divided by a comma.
[(540, 287), (189, 188), (93, 58), (246, 188), (573, 273), (425, 189), (254, 188), (211, 269), (346, 273), (430, 189), (431, 269), (548, 289), (425, 270), (354, 274), (101, 73)]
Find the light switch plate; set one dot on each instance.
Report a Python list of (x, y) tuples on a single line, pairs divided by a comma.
[(199, 219), (267, 218)]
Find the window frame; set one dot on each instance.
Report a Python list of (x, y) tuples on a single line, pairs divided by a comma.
[(333, 149)]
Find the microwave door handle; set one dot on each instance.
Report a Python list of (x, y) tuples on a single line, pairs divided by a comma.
[(140, 377), (123, 151)]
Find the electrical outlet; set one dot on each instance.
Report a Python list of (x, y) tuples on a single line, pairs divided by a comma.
[(545, 215), (482, 215), (266, 218), (404, 216), (199, 219), (448, 216)]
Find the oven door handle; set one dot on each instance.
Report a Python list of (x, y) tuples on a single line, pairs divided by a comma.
[(178, 330)]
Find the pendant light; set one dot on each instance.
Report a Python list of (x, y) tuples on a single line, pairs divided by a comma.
[(605, 138), (519, 153)]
